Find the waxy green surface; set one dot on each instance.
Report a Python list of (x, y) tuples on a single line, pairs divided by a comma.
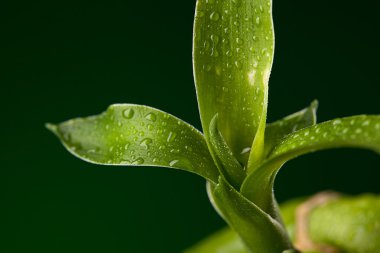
[(357, 131), (233, 49), (239, 154), (137, 135)]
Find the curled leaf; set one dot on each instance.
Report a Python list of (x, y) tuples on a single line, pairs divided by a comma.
[(277, 130), (137, 135), (258, 230), (357, 131)]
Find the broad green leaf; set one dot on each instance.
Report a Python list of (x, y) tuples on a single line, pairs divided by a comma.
[(232, 56), (357, 131), (229, 166), (277, 130), (258, 231), (356, 224), (137, 135), (223, 241)]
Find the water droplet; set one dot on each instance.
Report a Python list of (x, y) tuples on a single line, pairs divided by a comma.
[(67, 137), (128, 113), (214, 39), (214, 16), (358, 130), (151, 116), (127, 145), (188, 148), (258, 20), (366, 123), (200, 14), (146, 142), (171, 137), (138, 161), (172, 163), (214, 52), (238, 64), (150, 127), (337, 122), (156, 160), (207, 67), (239, 41), (161, 147), (377, 126), (245, 150), (111, 149)]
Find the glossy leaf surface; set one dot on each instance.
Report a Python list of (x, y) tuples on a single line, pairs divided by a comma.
[(277, 130), (137, 135), (232, 54), (258, 231), (357, 131)]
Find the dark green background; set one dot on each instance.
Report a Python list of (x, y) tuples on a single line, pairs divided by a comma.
[(65, 59)]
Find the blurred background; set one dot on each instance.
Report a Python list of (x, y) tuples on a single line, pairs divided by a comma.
[(64, 59)]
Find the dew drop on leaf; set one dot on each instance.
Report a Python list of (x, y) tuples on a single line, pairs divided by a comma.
[(151, 116), (138, 161), (172, 163), (171, 137), (146, 142), (245, 150), (258, 20), (128, 113), (214, 16)]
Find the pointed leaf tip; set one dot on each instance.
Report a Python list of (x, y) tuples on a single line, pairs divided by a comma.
[(139, 136), (51, 127)]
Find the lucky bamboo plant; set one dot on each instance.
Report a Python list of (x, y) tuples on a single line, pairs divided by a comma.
[(239, 153)]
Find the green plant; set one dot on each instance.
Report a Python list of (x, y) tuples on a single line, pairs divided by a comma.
[(239, 154)]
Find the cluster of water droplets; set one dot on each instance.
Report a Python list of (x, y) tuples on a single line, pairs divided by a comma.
[(127, 135), (352, 131), (234, 35)]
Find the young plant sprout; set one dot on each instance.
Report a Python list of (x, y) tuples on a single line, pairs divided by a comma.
[(238, 153)]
